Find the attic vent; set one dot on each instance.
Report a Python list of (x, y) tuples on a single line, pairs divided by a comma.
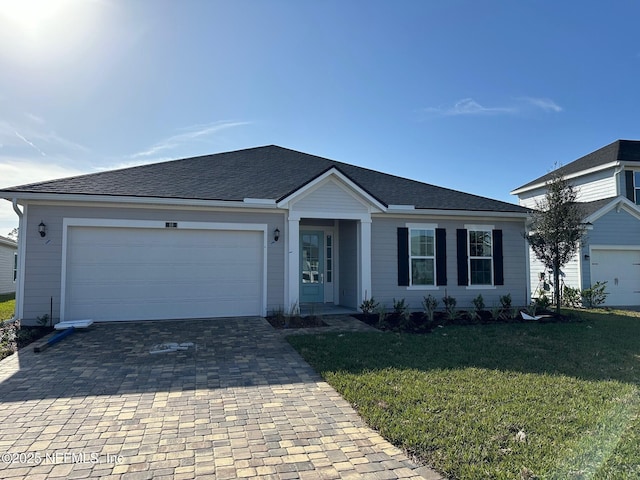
[(171, 224)]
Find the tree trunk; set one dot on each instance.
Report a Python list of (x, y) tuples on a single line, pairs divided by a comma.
[(556, 283)]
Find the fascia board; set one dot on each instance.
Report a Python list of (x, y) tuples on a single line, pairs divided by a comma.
[(113, 199)]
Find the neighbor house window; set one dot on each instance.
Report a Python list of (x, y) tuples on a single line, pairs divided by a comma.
[(636, 183), (15, 266), (480, 257), (422, 254)]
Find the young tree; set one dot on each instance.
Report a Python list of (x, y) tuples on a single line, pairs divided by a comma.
[(556, 229)]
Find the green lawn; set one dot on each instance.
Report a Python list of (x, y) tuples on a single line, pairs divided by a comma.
[(504, 401), (7, 306)]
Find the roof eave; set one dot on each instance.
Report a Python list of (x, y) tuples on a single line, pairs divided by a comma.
[(129, 199)]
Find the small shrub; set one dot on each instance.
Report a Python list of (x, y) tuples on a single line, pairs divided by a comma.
[(505, 307), (368, 306), (505, 301), (429, 304), (43, 320), (496, 312), (595, 296), (401, 310), (542, 302), (450, 307), (571, 297), (478, 307)]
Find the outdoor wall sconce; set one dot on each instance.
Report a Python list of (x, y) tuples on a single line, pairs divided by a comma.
[(586, 256), (42, 229), (276, 234)]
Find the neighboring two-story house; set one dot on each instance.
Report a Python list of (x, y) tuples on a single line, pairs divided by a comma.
[(608, 186)]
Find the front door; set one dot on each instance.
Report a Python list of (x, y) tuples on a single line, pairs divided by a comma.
[(311, 267)]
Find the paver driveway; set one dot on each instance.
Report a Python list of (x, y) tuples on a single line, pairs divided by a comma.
[(240, 403)]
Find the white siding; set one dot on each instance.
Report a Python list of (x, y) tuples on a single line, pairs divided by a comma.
[(328, 197), (7, 253), (570, 275), (594, 186)]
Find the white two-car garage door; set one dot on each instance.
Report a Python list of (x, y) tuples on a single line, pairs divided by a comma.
[(156, 273), (621, 270)]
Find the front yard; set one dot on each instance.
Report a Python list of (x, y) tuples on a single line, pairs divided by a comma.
[(503, 401)]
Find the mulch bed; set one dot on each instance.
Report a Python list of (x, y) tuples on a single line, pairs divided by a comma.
[(418, 322)]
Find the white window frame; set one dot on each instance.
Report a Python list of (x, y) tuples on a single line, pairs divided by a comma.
[(480, 228), (422, 226)]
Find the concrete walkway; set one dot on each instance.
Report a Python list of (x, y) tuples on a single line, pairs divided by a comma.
[(239, 403)]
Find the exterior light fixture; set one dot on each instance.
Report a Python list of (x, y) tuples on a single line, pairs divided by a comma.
[(42, 229), (276, 234)]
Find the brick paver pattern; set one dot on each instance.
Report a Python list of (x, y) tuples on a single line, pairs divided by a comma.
[(240, 403)]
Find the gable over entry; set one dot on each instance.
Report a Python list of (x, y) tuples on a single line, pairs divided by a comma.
[(331, 196)]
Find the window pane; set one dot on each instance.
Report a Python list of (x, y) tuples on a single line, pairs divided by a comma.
[(636, 177), (479, 243), (422, 271), (422, 243), (480, 271)]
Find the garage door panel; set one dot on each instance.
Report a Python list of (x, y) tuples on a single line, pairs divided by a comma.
[(137, 274), (621, 270)]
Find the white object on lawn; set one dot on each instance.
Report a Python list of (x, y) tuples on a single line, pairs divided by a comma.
[(73, 323), (526, 316)]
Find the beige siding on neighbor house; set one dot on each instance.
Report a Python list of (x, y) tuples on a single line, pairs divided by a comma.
[(385, 263), (7, 259), (43, 267)]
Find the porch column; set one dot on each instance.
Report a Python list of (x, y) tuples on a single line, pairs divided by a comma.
[(292, 281), (364, 260)]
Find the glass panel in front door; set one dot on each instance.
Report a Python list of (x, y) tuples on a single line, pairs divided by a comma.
[(310, 258)]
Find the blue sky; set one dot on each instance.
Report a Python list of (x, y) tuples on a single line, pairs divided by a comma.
[(479, 96)]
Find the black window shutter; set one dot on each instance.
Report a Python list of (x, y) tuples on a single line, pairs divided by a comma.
[(403, 256), (628, 177), (441, 256), (463, 268), (498, 264)]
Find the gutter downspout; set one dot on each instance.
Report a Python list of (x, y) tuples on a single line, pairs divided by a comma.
[(20, 274)]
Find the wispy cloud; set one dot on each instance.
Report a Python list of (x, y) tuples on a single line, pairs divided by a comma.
[(37, 135), (545, 104), (30, 143), (187, 135), (470, 107)]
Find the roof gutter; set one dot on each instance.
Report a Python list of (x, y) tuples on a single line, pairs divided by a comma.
[(21, 245), (190, 202), (16, 209)]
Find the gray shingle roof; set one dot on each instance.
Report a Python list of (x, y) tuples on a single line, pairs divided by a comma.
[(618, 151), (268, 172), (588, 208)]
